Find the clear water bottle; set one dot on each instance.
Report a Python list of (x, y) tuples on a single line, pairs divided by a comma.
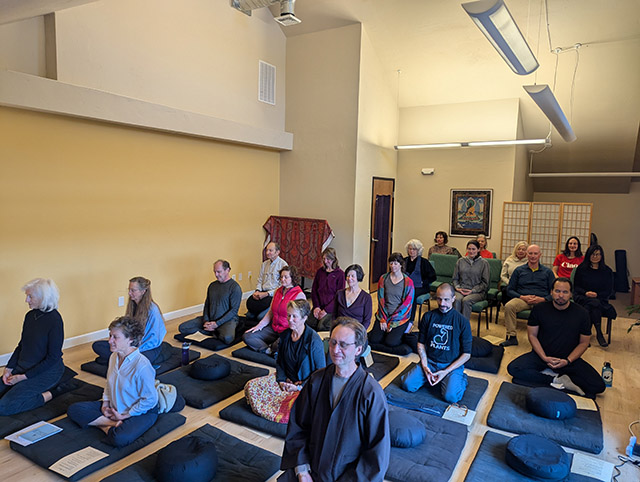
[(185, 353), (607, 374)]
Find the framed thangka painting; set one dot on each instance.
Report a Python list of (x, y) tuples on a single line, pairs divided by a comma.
[(470, 212)]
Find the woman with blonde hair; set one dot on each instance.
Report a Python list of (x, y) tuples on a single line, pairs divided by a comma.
[(36, 365), (145, 311), (517, 258)]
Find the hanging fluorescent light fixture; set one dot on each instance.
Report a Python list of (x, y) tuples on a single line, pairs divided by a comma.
[(493, 18), (543, 96), (445, 145)]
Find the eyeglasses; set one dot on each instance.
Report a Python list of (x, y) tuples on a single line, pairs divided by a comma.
[(343, 344)]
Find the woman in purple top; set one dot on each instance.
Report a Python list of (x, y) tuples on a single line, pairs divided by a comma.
[(327, 282), (354, 302)]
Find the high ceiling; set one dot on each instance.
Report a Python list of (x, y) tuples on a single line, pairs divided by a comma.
[(444, 59)]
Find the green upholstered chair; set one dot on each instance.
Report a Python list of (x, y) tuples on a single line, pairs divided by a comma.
[(443, 264), (494, 295), (481, 307)]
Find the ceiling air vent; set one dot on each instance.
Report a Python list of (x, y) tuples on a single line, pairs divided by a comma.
[(267, 83)]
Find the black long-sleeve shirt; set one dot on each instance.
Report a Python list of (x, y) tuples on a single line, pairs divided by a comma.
[(40, 346)]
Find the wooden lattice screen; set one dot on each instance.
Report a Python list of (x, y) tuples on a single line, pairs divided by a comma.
[(546, 224)]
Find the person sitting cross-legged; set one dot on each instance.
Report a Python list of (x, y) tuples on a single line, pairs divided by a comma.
[(444, 346), (559, 333), (129, 405), (220, 314)]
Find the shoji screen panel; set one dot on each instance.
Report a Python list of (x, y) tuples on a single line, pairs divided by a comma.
[(576, 221), (545, 229), (515, 226), (546, 224)]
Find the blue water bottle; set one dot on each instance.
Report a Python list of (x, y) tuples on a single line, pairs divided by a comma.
[(185, 353), (607, 374)]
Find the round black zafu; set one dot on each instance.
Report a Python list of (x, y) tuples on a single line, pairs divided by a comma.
[(538, 457), (190, 459), (405, 430), (480, 347), (550, 403), (210, 369)]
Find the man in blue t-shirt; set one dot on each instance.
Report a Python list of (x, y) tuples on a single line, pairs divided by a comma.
[(444, 346)]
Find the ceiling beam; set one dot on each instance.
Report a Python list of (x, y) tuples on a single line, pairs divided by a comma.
[(15, 10)]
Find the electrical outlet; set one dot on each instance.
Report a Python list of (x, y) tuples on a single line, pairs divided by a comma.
[(239, 276), (121, 301), (233, 277)]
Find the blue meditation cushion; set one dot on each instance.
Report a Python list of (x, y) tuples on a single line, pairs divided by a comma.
[(550, 403), (191, 458), (538, 457), (480, 347), (405, 430), (210, 369)]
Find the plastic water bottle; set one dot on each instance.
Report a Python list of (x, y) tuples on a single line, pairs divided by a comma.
[(185, 353), (607, 374)]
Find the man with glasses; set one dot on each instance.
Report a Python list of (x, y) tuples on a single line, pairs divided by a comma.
[(444, 346), (339, 425)]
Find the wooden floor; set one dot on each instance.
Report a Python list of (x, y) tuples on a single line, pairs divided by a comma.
[(619, 405)]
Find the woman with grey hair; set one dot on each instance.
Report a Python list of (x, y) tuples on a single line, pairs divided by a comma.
[(129, 405), (36, 365), (419, 270)]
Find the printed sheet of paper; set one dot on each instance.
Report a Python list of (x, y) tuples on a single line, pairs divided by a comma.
[(197, 336), (583, 403), (33, 433), (494, 340), (591, 467), (72, 463), (459, 414)]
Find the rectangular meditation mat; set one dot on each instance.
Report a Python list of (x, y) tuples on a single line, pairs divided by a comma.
[(204, 393), (509, 413), (247, 353), (240, 412), (73, 438), (78, 391), (238, 461), (489, 463), (435, 459), (487, 364), (428, 399), (172, 359)]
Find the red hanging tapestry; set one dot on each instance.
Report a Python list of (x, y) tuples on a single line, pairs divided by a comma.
[(301, 240)]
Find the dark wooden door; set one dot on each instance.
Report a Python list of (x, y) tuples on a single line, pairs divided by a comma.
[(381, 228)]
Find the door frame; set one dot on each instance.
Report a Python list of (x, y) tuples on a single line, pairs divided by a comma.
[(373, 284)]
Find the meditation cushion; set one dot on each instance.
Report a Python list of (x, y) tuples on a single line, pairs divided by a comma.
[(480, 347), (550, 403), (210, 369), (538, 457), (191, 458), (406, 430)]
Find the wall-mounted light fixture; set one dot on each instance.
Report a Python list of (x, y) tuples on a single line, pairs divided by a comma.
[(493, 18), (445, 145)]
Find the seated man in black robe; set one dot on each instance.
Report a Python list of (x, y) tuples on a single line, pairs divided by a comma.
[(339, 425)]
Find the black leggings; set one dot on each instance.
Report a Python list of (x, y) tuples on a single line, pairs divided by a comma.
[(392, 338)]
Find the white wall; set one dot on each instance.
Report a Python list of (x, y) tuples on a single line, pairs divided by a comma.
[(377, 134), (196, 55), (22, 46)]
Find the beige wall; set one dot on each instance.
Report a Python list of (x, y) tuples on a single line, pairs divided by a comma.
[(195, 55), (423, 202), (614, 220), (317, 178), (22, 46), (377, 134), (91, 205)]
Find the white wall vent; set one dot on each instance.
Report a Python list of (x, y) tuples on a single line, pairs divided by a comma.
[(267, 83)]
